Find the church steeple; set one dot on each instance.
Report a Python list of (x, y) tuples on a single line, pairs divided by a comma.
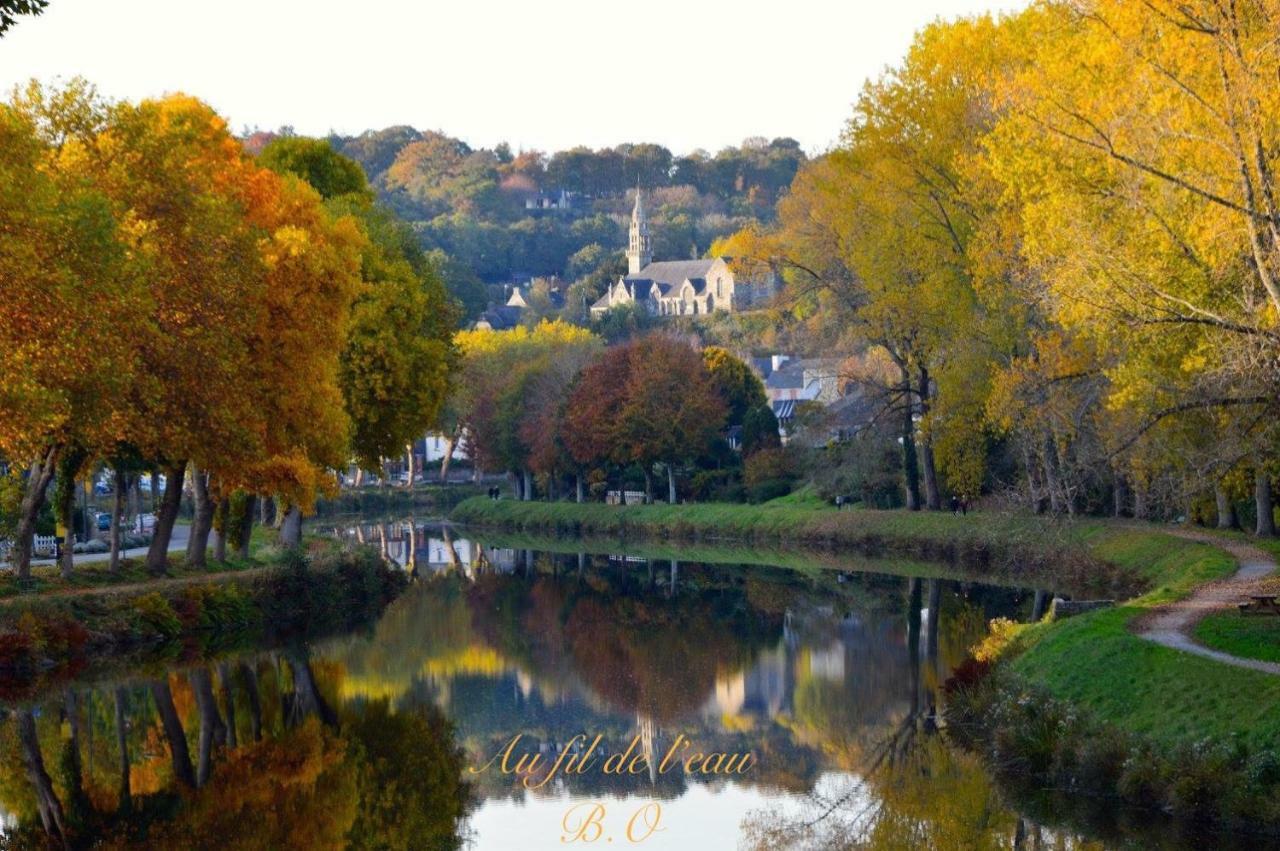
[(639, 252)]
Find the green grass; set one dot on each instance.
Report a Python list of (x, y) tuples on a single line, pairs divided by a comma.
[(1097, 663), (47, 579), (1018, 548), (1094, 661), (1250, 637)]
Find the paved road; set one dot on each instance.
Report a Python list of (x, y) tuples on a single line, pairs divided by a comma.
[(177, 542), (1172, 625)]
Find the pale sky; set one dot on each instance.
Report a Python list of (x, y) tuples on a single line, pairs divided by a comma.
[(548, 75)]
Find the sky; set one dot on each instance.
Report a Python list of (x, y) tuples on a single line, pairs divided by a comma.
[(547, 75)]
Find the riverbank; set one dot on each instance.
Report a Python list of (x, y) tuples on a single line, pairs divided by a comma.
[(1083, 703), (1033, 551), (55, 635), (1100, 705)]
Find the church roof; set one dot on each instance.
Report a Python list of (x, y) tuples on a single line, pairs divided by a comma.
[(674, 272)]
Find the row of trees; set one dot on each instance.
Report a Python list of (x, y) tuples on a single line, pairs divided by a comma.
[(1057, 236), (170, 303), (553, 403)]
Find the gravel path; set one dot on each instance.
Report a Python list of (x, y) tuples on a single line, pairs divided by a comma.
[(1172, 625)]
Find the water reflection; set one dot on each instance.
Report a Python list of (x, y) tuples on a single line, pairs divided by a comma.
[(831, 680)]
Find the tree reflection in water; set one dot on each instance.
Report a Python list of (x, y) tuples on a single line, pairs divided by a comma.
[(831, 680), (274, 765)]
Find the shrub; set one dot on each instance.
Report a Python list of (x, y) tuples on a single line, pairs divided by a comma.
[(1000, 636), (157, 615)]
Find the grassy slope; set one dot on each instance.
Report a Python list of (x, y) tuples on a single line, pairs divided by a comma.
[(1093, 660), (1019, 548), (1096, 662), (1251, 637)]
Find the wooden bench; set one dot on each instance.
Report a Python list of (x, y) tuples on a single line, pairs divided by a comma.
[(1263, 604)]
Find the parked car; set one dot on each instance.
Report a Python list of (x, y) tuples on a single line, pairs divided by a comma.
[(145, 524), (104, 521)]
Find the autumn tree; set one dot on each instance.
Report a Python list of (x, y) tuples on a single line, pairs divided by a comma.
[(501, 373), (396, 363), (660, 406), (64, 366)]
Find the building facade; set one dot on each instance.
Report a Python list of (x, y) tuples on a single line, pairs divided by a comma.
[(678, 287)]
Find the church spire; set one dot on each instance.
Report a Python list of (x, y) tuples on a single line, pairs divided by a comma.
[(639, 252)]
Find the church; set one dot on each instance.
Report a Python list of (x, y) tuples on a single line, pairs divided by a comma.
[(677, 287)]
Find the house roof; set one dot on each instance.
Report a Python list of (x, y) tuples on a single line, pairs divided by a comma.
[(789, 376), (500, 318), (674, 272)]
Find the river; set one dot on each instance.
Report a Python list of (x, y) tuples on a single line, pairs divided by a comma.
[(532, 695)]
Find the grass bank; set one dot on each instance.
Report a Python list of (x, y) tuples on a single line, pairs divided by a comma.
[(1086, 704), (1081, 704), (53, 637), (1031, 551), (1252, 637)]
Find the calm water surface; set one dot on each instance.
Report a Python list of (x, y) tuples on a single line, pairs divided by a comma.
[(392, 737)]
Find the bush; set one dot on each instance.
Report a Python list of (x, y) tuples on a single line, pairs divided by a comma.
[(1029, 735), (770, 473), (157, 616)]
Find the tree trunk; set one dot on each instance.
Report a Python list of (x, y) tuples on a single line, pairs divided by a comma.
[(1141, 511), (38, 479), (122, 746), (1226, 510), (267, 517), (158, 555), (408, 449), (671, 483), (135, 495), (449, 445), (648, 486), (1266, 526), (212, 730), (578, 487), (528, 485), (202, 519), (229, 702), (72, 766), (218, 534), (250, 677), (173, 732), (291, 528), (1117, 497), (51, 815), (910, 468), (246, 526), (307, 699), (1039, 606), (932, 496), (1051, 482), (359, 476), (65, 494), (117, 511)]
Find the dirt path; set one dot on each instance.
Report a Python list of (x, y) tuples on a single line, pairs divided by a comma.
[(1172, 625)]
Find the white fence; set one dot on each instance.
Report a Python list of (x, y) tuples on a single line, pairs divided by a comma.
[(624, 498), (42, 545)]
